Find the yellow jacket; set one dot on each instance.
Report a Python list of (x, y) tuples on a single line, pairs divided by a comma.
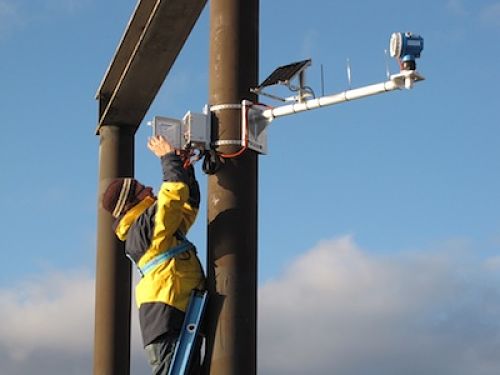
[(153, 227)]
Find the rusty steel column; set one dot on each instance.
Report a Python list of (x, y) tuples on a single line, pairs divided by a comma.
[(113, 270), (232, 195)]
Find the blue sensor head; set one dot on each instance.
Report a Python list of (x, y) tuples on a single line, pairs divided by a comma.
[(406, 47)]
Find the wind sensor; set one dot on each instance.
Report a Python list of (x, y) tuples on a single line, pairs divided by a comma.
[(406, 47)]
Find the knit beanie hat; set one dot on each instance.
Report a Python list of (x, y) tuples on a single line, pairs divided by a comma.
[(122, 194)]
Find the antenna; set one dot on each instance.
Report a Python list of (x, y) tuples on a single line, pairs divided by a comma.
[(322, 81), (349, 80), (387, 71)]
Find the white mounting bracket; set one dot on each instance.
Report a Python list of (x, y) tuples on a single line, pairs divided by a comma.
[(254, 126), (402, 80), (406, 78), (194, 130)]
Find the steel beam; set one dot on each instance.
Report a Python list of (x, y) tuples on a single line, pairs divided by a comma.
[(152, 41)]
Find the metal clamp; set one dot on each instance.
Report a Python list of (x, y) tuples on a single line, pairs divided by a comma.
[(222, 107), (224, 142)]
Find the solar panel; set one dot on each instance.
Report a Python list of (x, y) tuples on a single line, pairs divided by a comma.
[(283, 74)]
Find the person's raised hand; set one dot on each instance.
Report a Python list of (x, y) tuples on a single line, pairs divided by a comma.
[(159, 146)]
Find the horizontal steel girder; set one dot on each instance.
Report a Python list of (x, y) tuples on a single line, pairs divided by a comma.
[(152, 41)]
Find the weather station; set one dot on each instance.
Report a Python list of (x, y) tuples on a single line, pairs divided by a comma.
[(192, 133), (223, 133)]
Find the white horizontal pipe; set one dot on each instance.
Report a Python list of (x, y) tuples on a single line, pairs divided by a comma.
[(344, 96)]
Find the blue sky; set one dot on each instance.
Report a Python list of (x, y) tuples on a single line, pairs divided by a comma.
[(378, 219)]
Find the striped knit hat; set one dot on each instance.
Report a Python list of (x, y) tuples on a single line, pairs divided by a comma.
[(122, 194)]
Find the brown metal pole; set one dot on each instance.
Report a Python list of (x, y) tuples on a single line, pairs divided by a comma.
[(113, 270), (232, 195)]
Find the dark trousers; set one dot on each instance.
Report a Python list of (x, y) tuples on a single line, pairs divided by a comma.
[(161, 351)]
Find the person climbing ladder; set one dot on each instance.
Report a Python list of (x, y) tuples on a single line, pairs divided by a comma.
[(154, 230)]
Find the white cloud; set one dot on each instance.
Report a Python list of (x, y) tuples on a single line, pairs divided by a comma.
[(336, 309), (48, 326), (41, 313), (339, 310)]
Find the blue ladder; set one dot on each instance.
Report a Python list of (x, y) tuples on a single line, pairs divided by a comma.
[(190, 328)]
